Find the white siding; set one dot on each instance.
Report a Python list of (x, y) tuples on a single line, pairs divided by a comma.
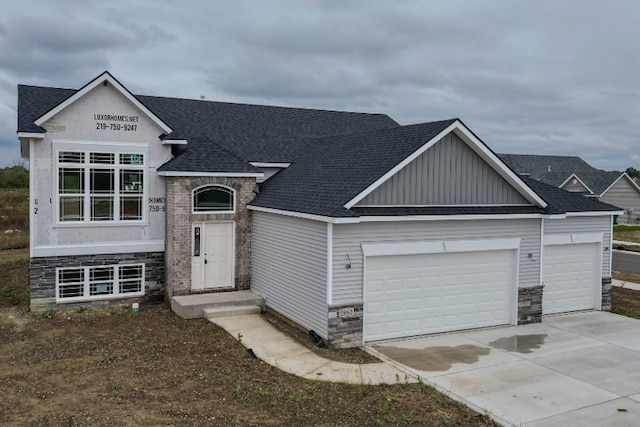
[(76, 124), (289, 267), (448, 173), (347, 238), (585, 224)]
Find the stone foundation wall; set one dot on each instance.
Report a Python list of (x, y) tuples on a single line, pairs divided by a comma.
[(606, 293), (530, 305), (345, 326), (42, 277)]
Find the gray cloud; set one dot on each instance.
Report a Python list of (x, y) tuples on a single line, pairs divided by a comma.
[(528, 77)]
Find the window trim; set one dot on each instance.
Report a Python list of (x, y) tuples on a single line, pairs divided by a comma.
[(231, 190), (86, 166), (86, 282)]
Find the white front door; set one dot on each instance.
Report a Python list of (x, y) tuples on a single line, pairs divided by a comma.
[(213, 264)]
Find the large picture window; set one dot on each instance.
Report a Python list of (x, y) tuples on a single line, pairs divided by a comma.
[(95, 186), (99, 282), (213, 199)]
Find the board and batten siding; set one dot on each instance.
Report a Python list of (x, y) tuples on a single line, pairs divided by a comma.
[(289, 267), (448, 173), (585, 224), (347, 240), (624, 195)]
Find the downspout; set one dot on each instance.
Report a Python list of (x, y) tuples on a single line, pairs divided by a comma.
[(329, 263)]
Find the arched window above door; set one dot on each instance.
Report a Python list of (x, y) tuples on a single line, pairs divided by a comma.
[(213, 199)]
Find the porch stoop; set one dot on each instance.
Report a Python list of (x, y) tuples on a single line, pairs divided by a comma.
[(214, 305)]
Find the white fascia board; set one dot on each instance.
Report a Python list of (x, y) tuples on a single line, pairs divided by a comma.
[(269, 165), (447, 217), (351, 203), (34, 135), (329, 263), (215, 174), (445, 206), (572, 238), (312, 217), (596, 213), (438, 246), (488, 156), (628, 178), (477, 146), (573, 175), (98, 248), (174, 142), (104, 77)]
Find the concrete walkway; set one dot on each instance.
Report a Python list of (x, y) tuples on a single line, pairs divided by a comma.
[(286, 354)]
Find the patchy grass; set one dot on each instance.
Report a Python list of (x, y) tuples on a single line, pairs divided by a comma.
[(626, 233), (625, 302), (14, 218), (14, 279)]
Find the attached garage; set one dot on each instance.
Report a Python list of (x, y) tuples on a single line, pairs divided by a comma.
[(421, 288), (571, 273)]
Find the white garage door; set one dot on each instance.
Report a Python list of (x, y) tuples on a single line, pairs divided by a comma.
[(570, 277), (409, 295)]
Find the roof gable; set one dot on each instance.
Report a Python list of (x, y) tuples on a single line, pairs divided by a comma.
[(475, 144), (103, 79), (448, 173), (575, 185)]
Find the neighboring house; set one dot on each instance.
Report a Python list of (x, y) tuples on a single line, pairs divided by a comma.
[(346, 223), (574, 174)]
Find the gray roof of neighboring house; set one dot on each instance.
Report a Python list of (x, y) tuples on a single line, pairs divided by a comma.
[(555, 170)]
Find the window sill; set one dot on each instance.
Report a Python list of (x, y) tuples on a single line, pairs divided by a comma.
[(99, 224)]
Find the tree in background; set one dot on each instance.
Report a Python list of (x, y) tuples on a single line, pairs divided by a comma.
[(633, 172), (16, 176)]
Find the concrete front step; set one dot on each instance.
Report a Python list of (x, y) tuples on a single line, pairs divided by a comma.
[(193, 306), (237, 310)]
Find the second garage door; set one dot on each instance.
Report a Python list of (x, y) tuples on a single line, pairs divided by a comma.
[(408, 295), (570, 277)]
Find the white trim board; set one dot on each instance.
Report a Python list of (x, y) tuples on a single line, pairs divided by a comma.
[(215, 174), (269, 165), (439, 246), (572, 238), (98, 248), (477, 146), (102, 78), (573, 175)]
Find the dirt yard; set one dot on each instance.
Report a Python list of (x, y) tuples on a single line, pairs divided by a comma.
[(104, 368)]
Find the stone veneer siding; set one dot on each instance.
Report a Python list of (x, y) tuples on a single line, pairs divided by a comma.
[(606, 293), (42, 277), (180, 217), (530, 305), (345, 326)]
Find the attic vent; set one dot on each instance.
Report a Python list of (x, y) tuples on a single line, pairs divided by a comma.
[(105, 83)]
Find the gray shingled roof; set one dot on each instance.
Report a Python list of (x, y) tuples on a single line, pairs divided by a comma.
[(340, 168), (336, 169), (555, 170), (334, 155), (247, 132)]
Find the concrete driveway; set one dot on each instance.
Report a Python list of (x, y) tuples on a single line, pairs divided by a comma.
[(573, 369)]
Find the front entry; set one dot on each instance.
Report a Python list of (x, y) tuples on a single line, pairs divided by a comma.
[(212, 262)]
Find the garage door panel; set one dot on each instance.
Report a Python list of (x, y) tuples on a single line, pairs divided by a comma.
[(570, 277), (440, 292)]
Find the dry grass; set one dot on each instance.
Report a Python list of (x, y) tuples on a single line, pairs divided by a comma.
[(626, 233), (14, 218)]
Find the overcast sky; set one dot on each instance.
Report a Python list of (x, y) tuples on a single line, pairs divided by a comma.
[(533, 77)]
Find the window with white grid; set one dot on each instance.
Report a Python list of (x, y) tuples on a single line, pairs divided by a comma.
[(99, 282), (100, 186)]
